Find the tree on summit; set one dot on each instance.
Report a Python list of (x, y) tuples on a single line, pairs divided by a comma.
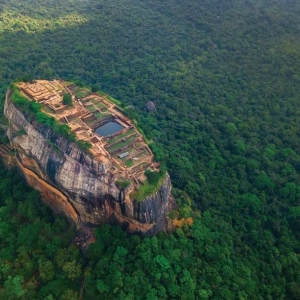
[(67, 99)]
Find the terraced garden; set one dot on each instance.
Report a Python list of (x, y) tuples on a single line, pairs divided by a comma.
[(122, 144)]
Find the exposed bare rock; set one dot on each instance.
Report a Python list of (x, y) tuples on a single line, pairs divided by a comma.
[(151, 106), (75, 184)]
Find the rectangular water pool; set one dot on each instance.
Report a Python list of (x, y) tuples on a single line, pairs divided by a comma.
[(109, 128)]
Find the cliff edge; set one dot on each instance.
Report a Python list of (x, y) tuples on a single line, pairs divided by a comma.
[(94, 177)]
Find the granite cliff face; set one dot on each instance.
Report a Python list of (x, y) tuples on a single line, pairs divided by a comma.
[(72, 182)]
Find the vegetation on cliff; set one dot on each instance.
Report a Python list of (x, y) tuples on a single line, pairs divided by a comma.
[(224, 77), (33, 111), (150, 186)]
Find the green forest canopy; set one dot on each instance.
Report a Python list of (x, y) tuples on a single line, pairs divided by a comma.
[(224, 77)]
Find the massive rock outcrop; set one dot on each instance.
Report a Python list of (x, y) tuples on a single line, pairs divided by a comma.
[(72, 182)]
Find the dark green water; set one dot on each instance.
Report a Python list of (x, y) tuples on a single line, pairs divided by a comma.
[(109, 128)]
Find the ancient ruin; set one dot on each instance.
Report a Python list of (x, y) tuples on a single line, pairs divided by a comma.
[(124, 151), (95, 173)]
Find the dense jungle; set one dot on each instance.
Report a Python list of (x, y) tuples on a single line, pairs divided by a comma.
[(225, 79)]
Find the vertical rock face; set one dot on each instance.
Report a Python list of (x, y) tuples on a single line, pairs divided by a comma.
[(72, 182)]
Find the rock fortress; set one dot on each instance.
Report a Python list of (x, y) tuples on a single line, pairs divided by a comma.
[(98, 176)]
